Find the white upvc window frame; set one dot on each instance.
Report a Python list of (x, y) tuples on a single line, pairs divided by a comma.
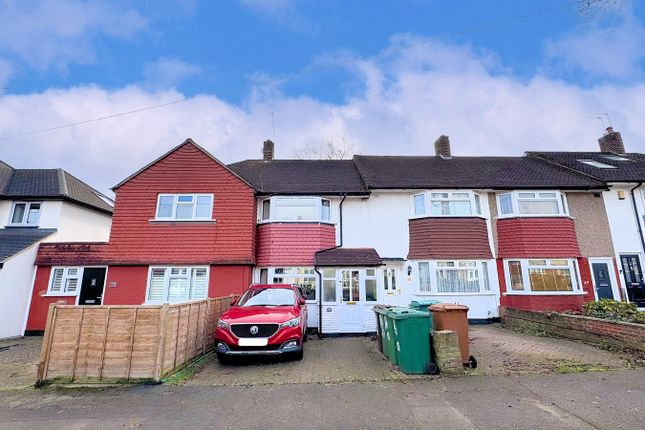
[(483, 268), (25, 216), (166, 280), (322, 206), (289, 275), (516, 198), (65, 277), (572, 265), (177, 203), (474, 198)]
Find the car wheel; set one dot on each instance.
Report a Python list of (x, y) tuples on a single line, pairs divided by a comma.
[(224, 359)]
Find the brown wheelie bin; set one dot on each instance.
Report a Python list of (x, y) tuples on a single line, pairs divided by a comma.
[(454, 317)]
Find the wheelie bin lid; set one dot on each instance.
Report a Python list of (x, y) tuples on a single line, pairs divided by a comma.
[(422, 304), (448, 307), (405, 313)]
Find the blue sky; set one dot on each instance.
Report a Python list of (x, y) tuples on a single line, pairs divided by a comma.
[(384, 76)]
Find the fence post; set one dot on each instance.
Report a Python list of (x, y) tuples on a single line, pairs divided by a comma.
[(134, 331), (163, 320), (45, 349)]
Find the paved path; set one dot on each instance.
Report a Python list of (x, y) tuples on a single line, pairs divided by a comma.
[(591, 400), (500, 351)]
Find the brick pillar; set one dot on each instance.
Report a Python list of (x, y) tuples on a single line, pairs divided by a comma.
[(447, 353)]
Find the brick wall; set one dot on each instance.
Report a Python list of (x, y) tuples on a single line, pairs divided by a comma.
[(447, 353), (588, 329)]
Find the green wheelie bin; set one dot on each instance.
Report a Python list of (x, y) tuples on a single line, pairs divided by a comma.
[(422, 305), (412, 331), (388, 336)]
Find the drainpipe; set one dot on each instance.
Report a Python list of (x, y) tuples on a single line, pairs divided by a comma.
[(638, 221), (320, 281)]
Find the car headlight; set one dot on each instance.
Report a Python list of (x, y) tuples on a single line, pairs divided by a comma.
[(223, 324), (291, 323)]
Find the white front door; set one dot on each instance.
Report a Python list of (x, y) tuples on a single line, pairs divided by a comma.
[(352, 301), (390, 288)]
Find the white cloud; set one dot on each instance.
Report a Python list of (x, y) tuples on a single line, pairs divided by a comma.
[(408, 100), (168, 72), (284, 13), (58, 32), (616, 51)]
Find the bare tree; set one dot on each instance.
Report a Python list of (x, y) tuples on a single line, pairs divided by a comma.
[(329, 150)]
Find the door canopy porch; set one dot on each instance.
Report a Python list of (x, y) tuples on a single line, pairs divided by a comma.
[(348, 257)]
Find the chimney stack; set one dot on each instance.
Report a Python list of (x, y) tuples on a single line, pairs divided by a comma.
[(267, 150), (612, 141), (442, 147)]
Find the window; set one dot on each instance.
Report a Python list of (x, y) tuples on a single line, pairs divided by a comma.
[(542, 275), (532, 203), (370, 285), (350, 285), (185, 207), (453, 276), (389, 279), (616, 158), (329, 285), (177, 284), (25, 213), (303, 277), (424, 277), (595, 163), (65, 281), (295, 209), (446, 203)]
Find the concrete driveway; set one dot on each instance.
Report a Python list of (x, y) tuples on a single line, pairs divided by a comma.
[(330, 360), (19, 362)]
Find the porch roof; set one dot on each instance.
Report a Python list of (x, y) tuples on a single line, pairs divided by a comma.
[(347, 257)]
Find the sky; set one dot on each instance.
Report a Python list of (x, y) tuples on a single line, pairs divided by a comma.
[(382, 76)]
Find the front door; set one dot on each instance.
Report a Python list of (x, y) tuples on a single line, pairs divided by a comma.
[(633, 279), (352, 302), (391, 291), (604, 288), (92, 286)]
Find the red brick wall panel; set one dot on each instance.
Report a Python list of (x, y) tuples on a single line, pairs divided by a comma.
[(131, 285), (553, 237), (226, 280), (230, 239), (449, 238), (288, 244)]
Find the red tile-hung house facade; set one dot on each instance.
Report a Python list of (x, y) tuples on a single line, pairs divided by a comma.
[(184, 228)]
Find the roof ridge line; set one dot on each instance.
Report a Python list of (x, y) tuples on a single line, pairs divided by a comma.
[(62, 182)]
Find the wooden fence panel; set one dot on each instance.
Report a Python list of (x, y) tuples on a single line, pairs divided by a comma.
[(119, 343)]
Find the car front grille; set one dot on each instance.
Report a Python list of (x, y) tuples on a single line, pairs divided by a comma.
[(263, 330)]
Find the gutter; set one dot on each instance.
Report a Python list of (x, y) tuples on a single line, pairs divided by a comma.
[(320, 281)]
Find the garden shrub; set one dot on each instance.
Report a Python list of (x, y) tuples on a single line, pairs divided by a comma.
[(613, 310)]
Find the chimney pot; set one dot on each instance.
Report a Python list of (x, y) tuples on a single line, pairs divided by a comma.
[(612, 141), (268, 149), (442, 147)]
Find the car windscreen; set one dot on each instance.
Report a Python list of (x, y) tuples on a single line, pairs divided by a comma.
[(267, 297)]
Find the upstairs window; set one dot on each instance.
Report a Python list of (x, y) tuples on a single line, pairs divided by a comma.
[(437, 203), (25, 214), (598, 164), (532, 203), (185, 207), (297, 208)]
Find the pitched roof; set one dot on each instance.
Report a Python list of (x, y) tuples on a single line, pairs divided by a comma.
[(414, 172), (347, 257), (13, 240), (301, 176), (630, 170), (188, 141), (48, 184)]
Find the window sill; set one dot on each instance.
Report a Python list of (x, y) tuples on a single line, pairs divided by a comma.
[(60, 295), (532, 216), (447, 216), (182, 221), (275, 221), (423, 293), (545, 293), (21, 226)]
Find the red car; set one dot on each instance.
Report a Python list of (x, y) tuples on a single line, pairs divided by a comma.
[(266, 320)]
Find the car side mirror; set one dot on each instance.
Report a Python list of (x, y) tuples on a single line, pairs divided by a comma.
[(302, 301)]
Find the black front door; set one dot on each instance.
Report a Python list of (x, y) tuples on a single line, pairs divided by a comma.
[(633, 279), (92, 286), (603, 281)]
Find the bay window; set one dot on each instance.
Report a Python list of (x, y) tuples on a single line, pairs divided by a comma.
[(184, 207), (542, 275), (177, 284), (295, 208), (438, 203), (25, 214), (532, 203), (453, 276)]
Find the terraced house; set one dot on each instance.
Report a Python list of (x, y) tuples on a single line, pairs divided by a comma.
[(487, 232)]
